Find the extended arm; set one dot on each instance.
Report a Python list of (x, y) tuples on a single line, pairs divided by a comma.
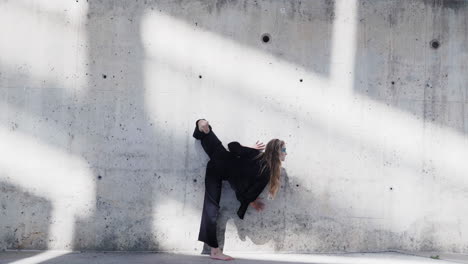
[(252, 194)]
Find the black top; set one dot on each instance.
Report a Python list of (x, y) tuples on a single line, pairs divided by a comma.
[(245, 177)]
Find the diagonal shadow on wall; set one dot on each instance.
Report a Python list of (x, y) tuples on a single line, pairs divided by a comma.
[(411, 56)]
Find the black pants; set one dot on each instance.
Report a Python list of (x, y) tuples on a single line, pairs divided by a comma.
[(216, 171)]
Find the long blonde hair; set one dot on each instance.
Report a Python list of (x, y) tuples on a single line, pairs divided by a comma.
[(271, 160)]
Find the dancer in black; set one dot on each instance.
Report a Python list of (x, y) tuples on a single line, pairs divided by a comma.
[(247, 169)]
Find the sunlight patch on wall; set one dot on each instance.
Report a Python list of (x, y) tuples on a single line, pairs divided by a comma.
[(175, 225), (45, 171), (45, 43)]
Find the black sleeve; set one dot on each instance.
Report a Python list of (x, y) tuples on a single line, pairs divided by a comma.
[(252, 193), (238, 150)]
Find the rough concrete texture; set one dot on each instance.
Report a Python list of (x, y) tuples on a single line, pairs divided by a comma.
[(98, 101)]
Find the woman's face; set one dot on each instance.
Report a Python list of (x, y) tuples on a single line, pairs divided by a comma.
[(283, 153)]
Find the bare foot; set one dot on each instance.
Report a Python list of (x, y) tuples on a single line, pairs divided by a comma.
[(217, 254), (203, 126)]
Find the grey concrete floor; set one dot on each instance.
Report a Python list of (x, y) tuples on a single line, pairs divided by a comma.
[(36, 257)]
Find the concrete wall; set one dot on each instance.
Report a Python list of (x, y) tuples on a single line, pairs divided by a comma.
[(98, 101)]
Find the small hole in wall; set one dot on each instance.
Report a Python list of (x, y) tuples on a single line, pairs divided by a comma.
[(266, 38), (435, 44)]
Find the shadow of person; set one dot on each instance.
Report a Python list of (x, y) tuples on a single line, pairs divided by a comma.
[(298, 218), (260, 227), (269, 224)]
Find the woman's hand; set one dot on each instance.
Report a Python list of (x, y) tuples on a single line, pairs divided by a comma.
[(258, 145), (258, 205)]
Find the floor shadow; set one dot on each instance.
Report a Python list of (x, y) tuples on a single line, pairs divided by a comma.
[(143, 258)]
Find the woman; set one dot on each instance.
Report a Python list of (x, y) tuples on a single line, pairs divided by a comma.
[(247, 169)]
